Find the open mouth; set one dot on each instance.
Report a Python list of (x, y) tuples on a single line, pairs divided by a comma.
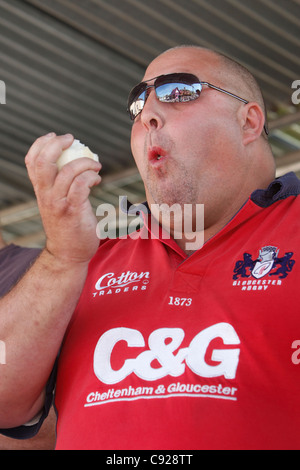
[(156, 154)]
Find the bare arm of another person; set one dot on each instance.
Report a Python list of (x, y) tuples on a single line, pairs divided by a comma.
[(35, 314)]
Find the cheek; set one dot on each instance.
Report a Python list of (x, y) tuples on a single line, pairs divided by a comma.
[(136, 144), (132, 139)]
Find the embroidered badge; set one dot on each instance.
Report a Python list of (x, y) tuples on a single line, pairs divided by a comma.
[(267, 270)]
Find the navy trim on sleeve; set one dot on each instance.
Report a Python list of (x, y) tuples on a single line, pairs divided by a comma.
[(26, 432)]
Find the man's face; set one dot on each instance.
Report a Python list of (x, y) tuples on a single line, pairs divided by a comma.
[(186, 151)]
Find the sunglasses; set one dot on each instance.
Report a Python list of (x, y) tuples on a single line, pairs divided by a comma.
[(171, 88)]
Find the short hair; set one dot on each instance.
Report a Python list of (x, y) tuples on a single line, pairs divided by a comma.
[(246, 77)]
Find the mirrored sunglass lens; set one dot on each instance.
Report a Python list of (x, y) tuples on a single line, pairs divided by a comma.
[(172, 88), (136, 104), (178, 92)]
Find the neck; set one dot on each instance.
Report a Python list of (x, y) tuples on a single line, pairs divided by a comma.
[(194, 241), (189, 230), (192, 228)]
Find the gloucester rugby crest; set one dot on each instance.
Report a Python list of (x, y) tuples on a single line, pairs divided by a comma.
[(267, 256), (267, 269)]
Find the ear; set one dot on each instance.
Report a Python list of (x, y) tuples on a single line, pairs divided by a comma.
[(252, 120)]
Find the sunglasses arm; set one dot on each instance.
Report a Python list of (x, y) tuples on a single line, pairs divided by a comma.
[(225, 91), (233, 95)]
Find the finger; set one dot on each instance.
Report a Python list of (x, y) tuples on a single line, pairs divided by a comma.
[(41, 158), (80, 188), (45, 162), (71, 171), (36, 147)]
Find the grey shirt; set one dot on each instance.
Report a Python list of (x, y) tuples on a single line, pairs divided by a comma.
[(14, 262)]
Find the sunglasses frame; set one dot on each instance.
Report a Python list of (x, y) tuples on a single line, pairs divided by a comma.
[(143, 87)]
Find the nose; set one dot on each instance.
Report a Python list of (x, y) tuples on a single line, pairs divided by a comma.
[(151, 115)]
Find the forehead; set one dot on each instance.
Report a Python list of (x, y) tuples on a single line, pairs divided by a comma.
[(199, 62)]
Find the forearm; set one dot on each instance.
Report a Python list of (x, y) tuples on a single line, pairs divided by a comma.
[(35, 314), (33, 320)]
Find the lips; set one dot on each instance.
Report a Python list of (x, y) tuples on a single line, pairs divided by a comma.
[(156, 154)]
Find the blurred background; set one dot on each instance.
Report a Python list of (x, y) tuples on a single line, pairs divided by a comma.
[(60, 60)]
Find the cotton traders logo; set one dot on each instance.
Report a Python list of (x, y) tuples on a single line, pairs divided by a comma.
[(110, 283), (265, 271)]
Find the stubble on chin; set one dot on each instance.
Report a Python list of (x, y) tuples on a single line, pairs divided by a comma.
[(179, 188)]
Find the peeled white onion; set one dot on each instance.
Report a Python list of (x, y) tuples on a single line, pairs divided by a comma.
[(76, 150)]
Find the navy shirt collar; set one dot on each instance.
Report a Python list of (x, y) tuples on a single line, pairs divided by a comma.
[(280, 188)]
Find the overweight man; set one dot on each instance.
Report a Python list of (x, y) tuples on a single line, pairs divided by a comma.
[(157, 341)]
